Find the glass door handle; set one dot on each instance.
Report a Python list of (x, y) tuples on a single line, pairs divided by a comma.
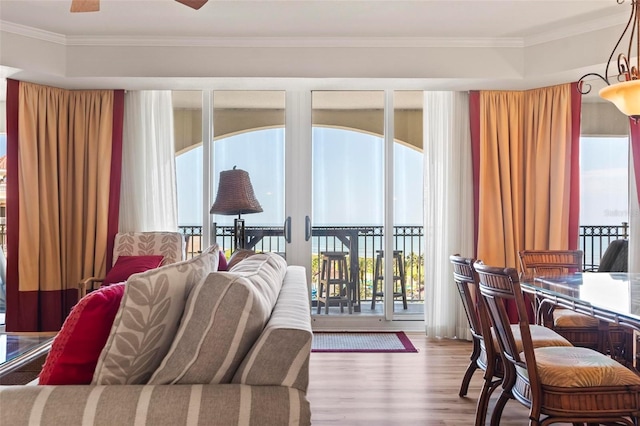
[(307, 228), (287, 229)]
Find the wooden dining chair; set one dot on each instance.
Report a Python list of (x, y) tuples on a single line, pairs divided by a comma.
[(579, 329), (485, 352), (558, 384)]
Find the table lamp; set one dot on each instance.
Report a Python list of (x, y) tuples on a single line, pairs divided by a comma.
[(236, 197)]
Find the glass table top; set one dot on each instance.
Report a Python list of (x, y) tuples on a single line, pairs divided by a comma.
[(18, 348), (616, 292)]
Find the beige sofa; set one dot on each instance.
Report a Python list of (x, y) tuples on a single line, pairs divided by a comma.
[(233, 350)]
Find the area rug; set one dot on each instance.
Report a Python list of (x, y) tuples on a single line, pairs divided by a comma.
[(362, 342)]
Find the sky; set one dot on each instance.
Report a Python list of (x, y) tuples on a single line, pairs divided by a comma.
[(604, 181), (347, 178)]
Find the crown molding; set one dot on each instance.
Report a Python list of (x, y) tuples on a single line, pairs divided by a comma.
[(574, 30), (331, 42), (318, 42), (293, 42), (32, 32)]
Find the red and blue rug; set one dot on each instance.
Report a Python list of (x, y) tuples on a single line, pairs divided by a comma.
[(362, 342)]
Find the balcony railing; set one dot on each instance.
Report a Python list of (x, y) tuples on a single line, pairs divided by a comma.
[(361, 242), (594, 240), (366, 240)]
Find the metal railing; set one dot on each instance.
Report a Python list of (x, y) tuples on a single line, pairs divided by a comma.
[(594, 240), (366, 240), (360, 242)]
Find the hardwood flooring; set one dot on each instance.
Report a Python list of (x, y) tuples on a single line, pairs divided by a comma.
[(399, 389)]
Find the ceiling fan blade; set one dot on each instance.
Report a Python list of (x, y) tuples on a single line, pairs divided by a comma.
[(194, 4), (85, 5)]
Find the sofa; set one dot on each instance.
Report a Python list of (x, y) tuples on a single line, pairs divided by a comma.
[(189, 345)]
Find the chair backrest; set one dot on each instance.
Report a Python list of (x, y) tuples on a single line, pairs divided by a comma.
[(536, 262), (615, 257), (466, 281), (171, 245), (497, 287)]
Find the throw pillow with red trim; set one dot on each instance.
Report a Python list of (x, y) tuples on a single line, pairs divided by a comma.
[(76, 348)]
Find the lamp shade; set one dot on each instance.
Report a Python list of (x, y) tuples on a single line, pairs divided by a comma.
[(625, 95), (235, 194)]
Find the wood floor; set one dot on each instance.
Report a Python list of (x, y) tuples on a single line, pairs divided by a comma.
[(403, 389)]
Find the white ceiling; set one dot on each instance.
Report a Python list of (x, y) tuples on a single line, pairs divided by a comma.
[(284, 23), (320, 18)]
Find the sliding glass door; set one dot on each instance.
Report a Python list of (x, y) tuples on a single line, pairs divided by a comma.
[(337, 189)]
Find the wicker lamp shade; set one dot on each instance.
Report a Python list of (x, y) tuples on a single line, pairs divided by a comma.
[(235, 194)]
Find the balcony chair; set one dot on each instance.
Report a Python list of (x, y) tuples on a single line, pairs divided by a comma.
[(335, 286), (569, 384), (170, 245), (615, 257), (486, 357), (399, 278)]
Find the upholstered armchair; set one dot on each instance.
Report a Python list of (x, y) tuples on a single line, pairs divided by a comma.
[(136, 252)]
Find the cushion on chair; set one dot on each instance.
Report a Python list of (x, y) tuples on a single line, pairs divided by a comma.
[(579, 367), (128, 265), (569, 318), (148, 318), (223, 318), (540, 336), (76, 348)]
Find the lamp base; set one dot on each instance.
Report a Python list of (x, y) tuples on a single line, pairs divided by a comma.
[(238, 234)]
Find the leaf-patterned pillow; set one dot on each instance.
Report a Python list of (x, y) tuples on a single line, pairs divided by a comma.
[(148, 318)]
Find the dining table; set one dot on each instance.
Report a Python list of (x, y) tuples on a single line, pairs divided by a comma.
[(613, 297)]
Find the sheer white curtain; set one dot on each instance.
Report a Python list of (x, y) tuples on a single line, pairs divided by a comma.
[(448, 208), (148, 200)]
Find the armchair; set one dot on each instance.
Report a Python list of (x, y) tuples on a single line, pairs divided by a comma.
[(170, 245)]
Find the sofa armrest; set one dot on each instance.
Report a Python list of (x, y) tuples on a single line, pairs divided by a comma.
[(157, 405), (280, 356)]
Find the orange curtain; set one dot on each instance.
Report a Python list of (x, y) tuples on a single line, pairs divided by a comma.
[(547, 162), (525, 172), (63, 170)]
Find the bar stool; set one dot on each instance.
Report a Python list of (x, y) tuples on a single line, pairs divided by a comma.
[(334, 281), (398, 277)]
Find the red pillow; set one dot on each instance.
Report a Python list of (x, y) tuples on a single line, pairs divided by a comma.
[(222, 261), (128, 265), (76, 348)]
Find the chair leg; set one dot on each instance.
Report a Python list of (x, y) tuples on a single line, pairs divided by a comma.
[(499, 408), (508, 381), (403, 283), (464, 387), (482, 407), (318, 297), (376, 275), (473, 366)]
